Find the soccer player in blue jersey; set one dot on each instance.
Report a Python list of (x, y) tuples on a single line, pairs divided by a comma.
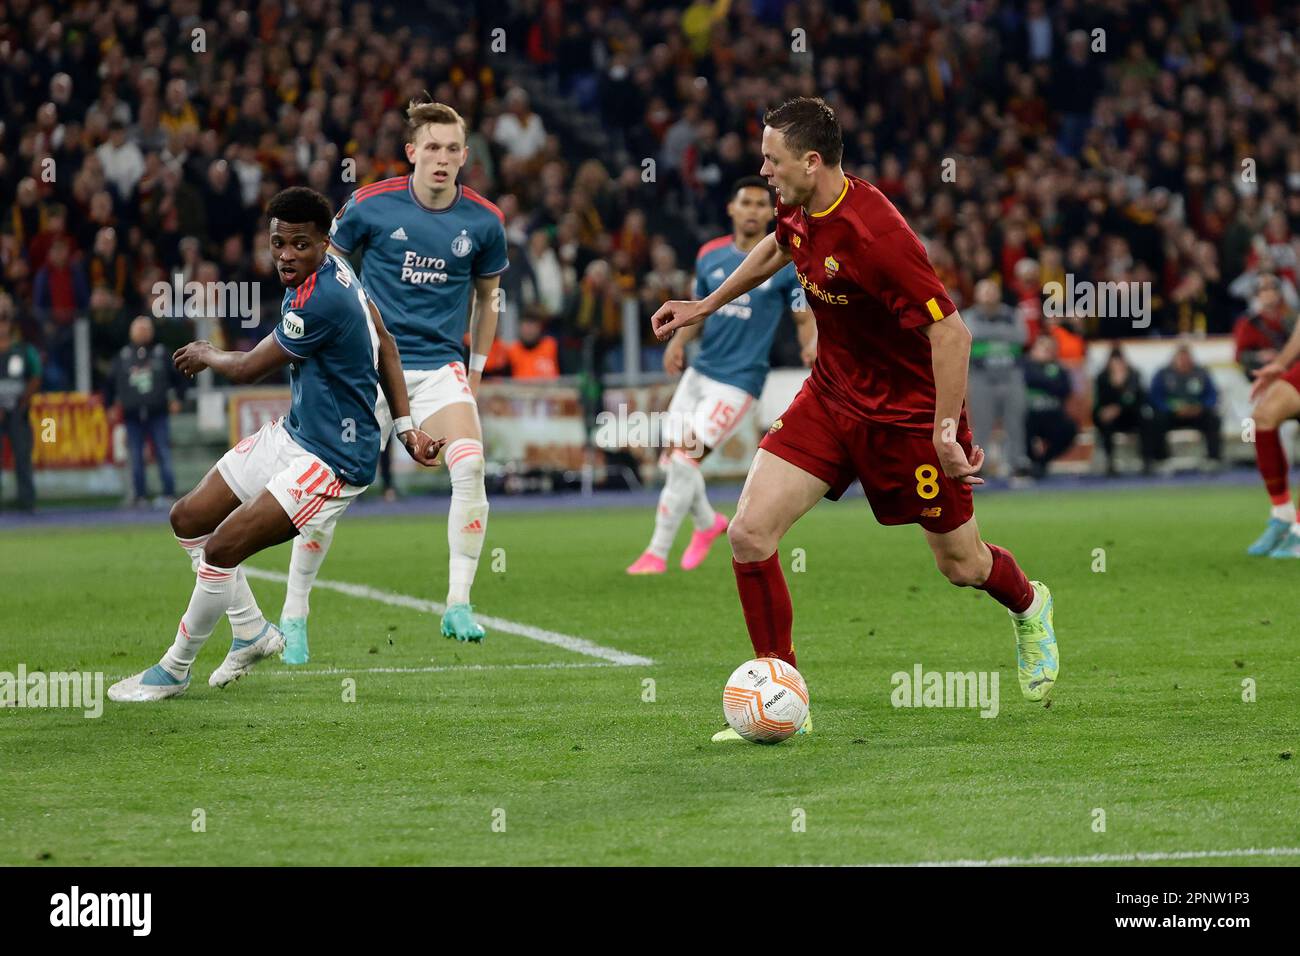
[(427, 247), (716, 392), (298, 473)]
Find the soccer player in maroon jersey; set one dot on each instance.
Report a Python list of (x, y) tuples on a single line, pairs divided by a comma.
[(1277, 394), (885, 403)]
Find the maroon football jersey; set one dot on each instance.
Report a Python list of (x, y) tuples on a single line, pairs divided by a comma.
[(871, 287)]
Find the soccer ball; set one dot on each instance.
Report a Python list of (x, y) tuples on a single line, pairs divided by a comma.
[(765, 700)]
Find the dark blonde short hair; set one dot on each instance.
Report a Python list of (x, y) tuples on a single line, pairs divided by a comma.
[(422, 112)]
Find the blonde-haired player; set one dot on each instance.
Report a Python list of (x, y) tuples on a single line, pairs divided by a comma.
[(431, 251)]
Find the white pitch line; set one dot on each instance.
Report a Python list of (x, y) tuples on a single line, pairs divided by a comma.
[(567, 641), (554, 665), (1153, 857)]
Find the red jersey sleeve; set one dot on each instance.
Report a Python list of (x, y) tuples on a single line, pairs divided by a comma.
[(782, 227), (898, 273)]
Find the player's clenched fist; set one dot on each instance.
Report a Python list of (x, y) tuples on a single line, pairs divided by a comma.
[(422, 447), (192, 359), (675, 314)]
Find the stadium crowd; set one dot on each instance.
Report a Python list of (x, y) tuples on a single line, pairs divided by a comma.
[(1149, 142)]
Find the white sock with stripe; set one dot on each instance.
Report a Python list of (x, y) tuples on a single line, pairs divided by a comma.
[(675, 500), (194, 548), (214, 593), (309, 550), (245, 616), (702, 513), (467, 517)]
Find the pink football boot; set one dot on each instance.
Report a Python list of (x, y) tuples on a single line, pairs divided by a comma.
[(701, 541), (648, 564)]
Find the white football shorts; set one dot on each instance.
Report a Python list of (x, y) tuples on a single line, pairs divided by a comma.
[(308, 491), (428, 391), (710, 409)]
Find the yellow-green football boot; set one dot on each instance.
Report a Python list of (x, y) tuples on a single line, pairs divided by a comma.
[(1036, 656)]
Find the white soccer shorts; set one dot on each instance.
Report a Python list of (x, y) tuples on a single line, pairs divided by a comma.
[(428, 391), (711, 409), (308, 491)]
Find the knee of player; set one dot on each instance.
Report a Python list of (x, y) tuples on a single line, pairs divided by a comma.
[(464, 460), (1266, 418), (220, 551), (747, 542), (183, 520), (964, 574)]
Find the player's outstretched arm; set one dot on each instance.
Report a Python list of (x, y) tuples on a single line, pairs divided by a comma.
[(419, 446), (763, 262), (949, 355), (242, 368)]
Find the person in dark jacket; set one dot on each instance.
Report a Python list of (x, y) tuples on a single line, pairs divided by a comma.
[(1119, 404), (1183, 396), (20, 378), (1049, 428), (147, 389)]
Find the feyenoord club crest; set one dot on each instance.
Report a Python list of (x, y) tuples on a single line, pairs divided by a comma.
[(462, 244)]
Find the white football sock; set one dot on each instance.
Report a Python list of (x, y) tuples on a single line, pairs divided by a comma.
[(246, 620), (214, 592), (194, 548), (702, 513), (245, 617), (1284, 512), (674, 501), (309, 550), (467, 517)]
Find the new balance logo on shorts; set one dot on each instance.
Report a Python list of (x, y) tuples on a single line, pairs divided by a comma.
[(931, 512)]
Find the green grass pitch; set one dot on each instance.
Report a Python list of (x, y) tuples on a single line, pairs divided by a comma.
[(484, 763)]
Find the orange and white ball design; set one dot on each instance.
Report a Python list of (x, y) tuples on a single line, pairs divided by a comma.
[(765, 700)]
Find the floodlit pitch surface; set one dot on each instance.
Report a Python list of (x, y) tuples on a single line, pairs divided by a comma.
[(556, 743)]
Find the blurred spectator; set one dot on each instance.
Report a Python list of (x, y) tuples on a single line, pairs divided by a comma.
[(60, 291), (549, 281), (536, 355), (1120, 407), (20, 379), (594, 317), (996, 390), (122, 160), (519, 130), (55, 229), (1183, 396), (1262, 331), (1050, 430), (146, 389)]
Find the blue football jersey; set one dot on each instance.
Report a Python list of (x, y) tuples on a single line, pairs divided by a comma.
[(737, 339), (325, 325), (418, 264)]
